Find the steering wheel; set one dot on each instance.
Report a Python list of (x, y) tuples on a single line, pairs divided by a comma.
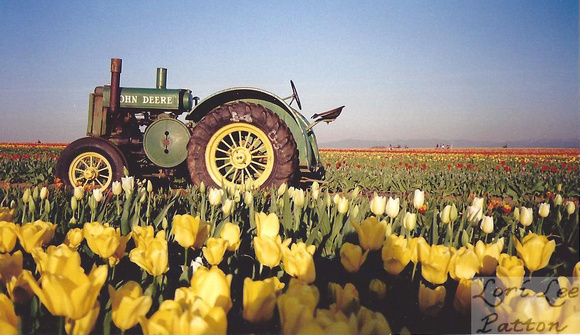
[(295, 95)]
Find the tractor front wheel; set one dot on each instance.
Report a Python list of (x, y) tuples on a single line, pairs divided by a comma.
[(242, 143), (90, 161)]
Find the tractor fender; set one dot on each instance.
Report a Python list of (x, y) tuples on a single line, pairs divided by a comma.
[(308, 156)]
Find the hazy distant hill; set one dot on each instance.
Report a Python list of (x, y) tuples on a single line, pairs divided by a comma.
[(430, 143)]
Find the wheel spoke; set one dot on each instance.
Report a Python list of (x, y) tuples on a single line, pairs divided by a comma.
[(249, 174)]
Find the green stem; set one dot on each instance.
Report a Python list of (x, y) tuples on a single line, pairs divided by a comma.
[(185, 262), (61, 325)]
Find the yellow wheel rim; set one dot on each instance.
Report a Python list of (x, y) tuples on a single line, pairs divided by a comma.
[(90, 168), (239, 153)]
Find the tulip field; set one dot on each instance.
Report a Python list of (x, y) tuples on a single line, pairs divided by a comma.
[(392, 241)]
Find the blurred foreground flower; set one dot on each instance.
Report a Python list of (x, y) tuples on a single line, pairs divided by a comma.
[(35, 234), (260, 299), (298, 261), (352, 257), (431, 301), (8, 319), (8, 236)]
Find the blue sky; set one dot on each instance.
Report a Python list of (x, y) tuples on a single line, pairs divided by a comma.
[(479, 70)]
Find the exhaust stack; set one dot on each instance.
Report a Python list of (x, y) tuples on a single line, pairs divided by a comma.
[(115, 85)]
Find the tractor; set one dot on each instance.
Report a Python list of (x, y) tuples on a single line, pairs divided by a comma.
[(235, 137)]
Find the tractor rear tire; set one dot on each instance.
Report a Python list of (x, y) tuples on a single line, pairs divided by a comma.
[(90, 161), (240, 143)]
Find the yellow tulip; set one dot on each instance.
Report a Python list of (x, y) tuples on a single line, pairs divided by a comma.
[(576, 271), (377, 290), (570, 207), (35, 234), (431, 301), (8, 319), (56, 260), (74, 237), (371, 233), (102, 239), (352, 257), (213, 287), (488, 255), (7, 214), (535, 251), (510, 271), (85, 324), (70, 293), (487, 224), (269, 250), (299, 197), (342, 205), (395, 254), (120, 251), (464, 263), (293, 313), (370, 322), (231, 233), (260, 299), (345, 299), (462, 300), (8, 236), (190, 232), (214, 321), (10, 266), (151, 254), (142, 233), (435, 261), (298, 262), (267, 225), (128, 304), (414, 245), (214, 250)]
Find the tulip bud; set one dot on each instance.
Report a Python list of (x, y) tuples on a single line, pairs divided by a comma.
[(377, 290), (378, 205), (73, 203), (298, 197), (149, 186), (570, 207), (354, 212), (487, 224), (282, 189), (410, 221), (79, 193), (474, 214), (315, 190), (327, 199), (143, 195), (31, 206), (116, 188), (418, 199), (453, 213), (392, 209), (343, 205), (355, 193), (128, 184), (215, 196), (227, 206), (202, 187), (516, 214), (35, 193), (445, 214), (526, 216), (98, 194), (26, 195), (544, 209), (248, 198), (44, 193)]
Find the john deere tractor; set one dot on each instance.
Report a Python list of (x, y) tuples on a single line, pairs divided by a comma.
[(238, 136)]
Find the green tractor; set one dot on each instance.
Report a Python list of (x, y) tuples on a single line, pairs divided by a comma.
[(235, 137)]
